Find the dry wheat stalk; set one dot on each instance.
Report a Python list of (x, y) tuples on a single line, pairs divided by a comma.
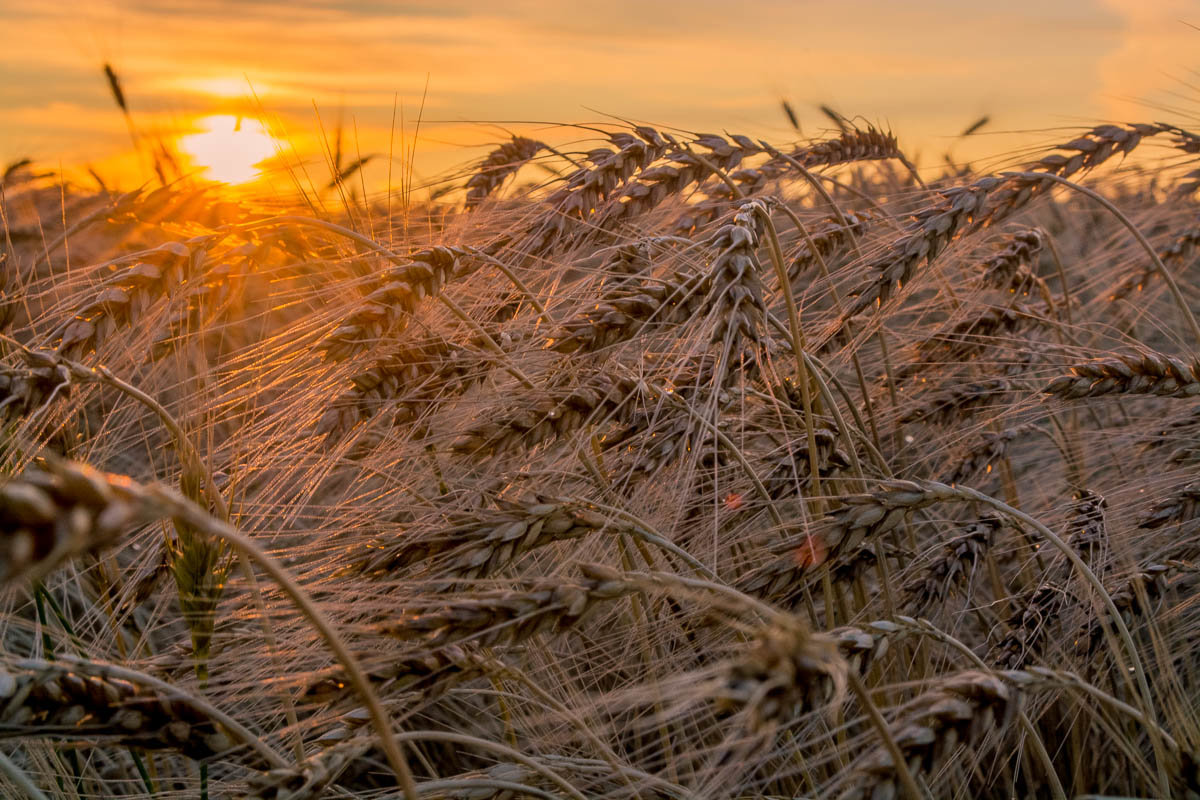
[(24, 391), (498, 166), (393, 296), (830, 237), (654, 185), (503, 781), (1087, 531), (632, 258), (637, 257), (731, 289), (987, 201), (1146, 373), (60, 702), (1181, 506), (959, 400), (862, 517), (855, 565), (628, 310), (789, 471), (932, 230), (53, 513), (695, 216), (309, 780), (961, 709), (477, 544), (1028, 627), (204, 310), (862, 645), (736, 291), (1089, 151), (852, 145), (982, 457), (787, 671), (1148, 584), (428, 673), (559, 411), (588, 188), (1182, 434), (164, 204), (489, 618), (8, 304), (865, 517), (651, 444), (1008, 268), (1179, 252), (965, 339), (952, 570), (125, 297), (409, 379)]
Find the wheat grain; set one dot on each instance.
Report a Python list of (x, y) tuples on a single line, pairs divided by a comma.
[(1006, 268), (499, 165), (477, 544), (393, 296), (952, 569), (1147, 373), (59, 512), (962, 709), (62, 703), (553, 606)]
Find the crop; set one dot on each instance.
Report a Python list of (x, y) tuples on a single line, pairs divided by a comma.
[(706, 468)]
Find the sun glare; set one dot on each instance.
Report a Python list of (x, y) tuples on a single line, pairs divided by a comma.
[(229, 149)]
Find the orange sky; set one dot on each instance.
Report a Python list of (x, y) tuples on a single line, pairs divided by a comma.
[(926, 68)]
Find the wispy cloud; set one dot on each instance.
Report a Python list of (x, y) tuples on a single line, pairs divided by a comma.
[(925, 67)]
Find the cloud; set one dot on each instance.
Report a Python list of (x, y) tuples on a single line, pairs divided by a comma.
[(927, 68), (1156, 52)]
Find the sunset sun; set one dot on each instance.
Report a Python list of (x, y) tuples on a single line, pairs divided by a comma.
[(229, 149)]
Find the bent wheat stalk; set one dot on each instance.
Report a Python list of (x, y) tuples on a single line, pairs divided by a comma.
[(158, 500)]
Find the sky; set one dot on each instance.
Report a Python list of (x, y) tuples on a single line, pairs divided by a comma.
[(924, 68)]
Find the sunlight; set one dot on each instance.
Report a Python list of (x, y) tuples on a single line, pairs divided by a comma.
[(221, 87), (229, 149)]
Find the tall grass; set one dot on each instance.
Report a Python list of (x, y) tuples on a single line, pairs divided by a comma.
[(704, 468)]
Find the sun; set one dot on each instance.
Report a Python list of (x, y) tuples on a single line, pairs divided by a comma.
[(229, 149)]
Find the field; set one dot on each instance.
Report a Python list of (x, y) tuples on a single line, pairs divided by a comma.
[(647, 466)]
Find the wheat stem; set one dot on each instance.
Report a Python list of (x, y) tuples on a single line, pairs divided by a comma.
[(1086, 573), (183, 509), (18, 776)]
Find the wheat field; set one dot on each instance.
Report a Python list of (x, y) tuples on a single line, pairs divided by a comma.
[(650, 465)]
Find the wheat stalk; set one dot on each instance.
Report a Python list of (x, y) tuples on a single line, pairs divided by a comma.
[(510, 616), (499, 165), (477, 544), (1008, 268), (628, 310), (788, 670), (985, 202), (57, 701), (1180, 506), (952, 569), (961, 709), (1146, 373), (393, 296), (58, 512)]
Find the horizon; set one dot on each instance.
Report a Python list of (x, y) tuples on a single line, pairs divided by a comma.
[(467, 73)]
